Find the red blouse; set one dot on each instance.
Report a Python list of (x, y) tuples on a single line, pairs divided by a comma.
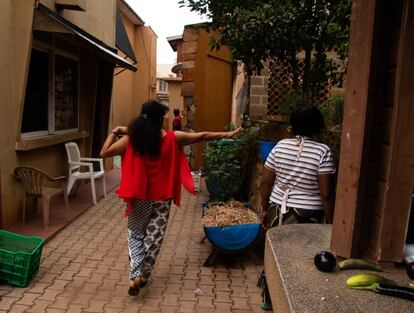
[(143, 178)]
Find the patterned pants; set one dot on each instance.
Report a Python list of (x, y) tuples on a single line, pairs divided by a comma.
[(146, 227)]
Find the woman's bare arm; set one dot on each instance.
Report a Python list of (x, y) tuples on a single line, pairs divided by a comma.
[(184, 138), (266, 187), (114, 145), (326, 182)]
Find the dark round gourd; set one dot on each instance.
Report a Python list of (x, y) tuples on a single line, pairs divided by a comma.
[(325, 261), (410, 270)]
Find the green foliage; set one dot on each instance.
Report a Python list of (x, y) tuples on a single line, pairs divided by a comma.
[(229, 163), (222, 167), (261, 30), (333, 111), (290, 100)]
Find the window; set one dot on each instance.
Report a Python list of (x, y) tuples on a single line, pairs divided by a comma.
[(51, 100), (163, 85)]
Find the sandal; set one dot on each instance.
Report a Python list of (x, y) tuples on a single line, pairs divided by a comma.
[(135, 287), (134, 290)]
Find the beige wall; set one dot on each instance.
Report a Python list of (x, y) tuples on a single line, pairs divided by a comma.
[(145, 48), (96, 20), (175, 100), (131, 90), (16, 19)]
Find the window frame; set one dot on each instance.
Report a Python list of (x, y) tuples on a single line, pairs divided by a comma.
[(52, 51), (163, 83)]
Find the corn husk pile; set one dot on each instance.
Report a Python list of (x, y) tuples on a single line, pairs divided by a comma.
[(228, 214)]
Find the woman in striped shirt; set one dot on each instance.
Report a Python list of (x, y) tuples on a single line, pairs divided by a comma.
[(297, 177)]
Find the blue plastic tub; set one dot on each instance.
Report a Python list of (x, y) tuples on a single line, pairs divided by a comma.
[(233, 238), (265, 148)]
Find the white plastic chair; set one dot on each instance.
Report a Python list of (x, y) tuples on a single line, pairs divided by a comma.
[(76, 162)]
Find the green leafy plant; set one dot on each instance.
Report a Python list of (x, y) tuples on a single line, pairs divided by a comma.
[(228, 164), (222, 168), (333, 111)]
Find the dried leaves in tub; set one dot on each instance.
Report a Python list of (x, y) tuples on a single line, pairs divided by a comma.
[(228, 214)]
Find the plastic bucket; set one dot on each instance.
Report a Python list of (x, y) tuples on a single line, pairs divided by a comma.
[(233, 238), (265, 148)]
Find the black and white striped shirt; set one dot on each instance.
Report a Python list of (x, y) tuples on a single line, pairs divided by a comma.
[(297, 162)]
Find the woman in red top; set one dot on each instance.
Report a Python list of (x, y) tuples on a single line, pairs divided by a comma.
[(176, 123), (153, 169)]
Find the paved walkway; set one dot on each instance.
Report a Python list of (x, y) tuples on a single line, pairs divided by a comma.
[(85, 269)]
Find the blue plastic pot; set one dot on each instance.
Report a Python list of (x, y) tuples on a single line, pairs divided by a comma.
[(234, 238), (217, 192), (265, 148)]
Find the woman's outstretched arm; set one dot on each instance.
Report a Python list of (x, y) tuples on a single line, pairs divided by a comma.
[(184, 138)]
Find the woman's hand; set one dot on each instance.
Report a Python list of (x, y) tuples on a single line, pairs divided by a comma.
[(233, 133)]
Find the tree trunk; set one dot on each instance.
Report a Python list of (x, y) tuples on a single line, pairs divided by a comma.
[(306, 71)]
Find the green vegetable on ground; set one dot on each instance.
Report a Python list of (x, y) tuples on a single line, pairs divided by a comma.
[(358, 264), (368, 281), (380, 285)]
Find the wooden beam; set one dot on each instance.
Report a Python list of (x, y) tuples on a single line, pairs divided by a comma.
[(345, 232), (400, 169)]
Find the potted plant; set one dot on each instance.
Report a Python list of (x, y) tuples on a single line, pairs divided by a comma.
[(222, 168), (228, 165)]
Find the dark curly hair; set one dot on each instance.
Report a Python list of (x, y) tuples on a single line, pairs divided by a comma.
[(145, 130), (307, 120)]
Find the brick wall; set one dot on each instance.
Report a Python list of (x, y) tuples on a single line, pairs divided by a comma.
[(258, 97)]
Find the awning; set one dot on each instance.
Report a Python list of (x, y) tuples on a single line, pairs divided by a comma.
[(121, 39), (47, 20)]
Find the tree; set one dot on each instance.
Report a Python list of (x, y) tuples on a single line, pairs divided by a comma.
[(258, 31)]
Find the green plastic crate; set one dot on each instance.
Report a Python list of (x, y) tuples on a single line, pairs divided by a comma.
[(19, 257)]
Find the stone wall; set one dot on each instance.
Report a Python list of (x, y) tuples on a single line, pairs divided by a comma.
[(258, 97)]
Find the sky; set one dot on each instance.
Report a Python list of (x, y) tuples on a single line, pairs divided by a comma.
[(167, 19)]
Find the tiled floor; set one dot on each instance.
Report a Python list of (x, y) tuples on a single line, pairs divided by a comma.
[(85, 268), (79, 202)]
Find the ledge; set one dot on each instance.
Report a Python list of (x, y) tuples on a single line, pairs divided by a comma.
[(50, 140), (296, 285), (77, 5)]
